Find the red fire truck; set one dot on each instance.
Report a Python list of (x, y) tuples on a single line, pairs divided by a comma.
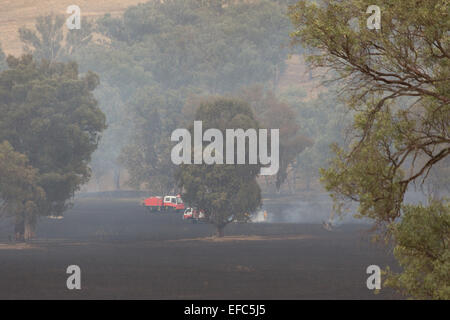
[(167, 203)]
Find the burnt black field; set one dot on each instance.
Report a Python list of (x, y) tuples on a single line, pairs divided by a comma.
[(125, 252)]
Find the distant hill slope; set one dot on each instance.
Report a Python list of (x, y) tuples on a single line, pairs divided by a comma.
[(17, 13)]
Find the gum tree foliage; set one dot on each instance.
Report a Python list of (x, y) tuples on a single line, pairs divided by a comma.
[(49, 115), (147, 153), (408, 58), (325, 121), (175, 49), (396, 81), (438, 183), (423, 238), (120, 80), (51, 40), (271, 112), (105, 159), (20, 194), (200, 46), (225, 192), (188, 43), (48, 40)]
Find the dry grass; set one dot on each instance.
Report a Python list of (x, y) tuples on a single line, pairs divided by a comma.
[(17, 13), (16, 246)]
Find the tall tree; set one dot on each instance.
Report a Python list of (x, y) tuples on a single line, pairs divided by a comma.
[(49, 41), (20, 194), (49, 114), (323, 119), (46, 41), (2, 59), (423, 237), (397, 82), (276, 114), (176, 48), (147, 155), (187, 43), (226, 192)]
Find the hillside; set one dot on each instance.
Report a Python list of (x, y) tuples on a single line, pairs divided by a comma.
[(17, 13)]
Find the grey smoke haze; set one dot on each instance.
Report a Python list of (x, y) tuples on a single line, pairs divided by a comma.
[(315, 210)]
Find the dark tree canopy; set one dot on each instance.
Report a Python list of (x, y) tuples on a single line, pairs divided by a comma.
[(226, 192), (20, 194), (49, 115)]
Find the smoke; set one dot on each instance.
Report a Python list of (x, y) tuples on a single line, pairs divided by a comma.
[(260, 216), (315, 211), (55, 217)]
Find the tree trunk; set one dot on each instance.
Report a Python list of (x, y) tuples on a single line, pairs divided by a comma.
[(117, 178), (28, 230), (23, 228), (219, 231), (294, 180), (97, 181), (308, 183), (19, 228), (275, 77)]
